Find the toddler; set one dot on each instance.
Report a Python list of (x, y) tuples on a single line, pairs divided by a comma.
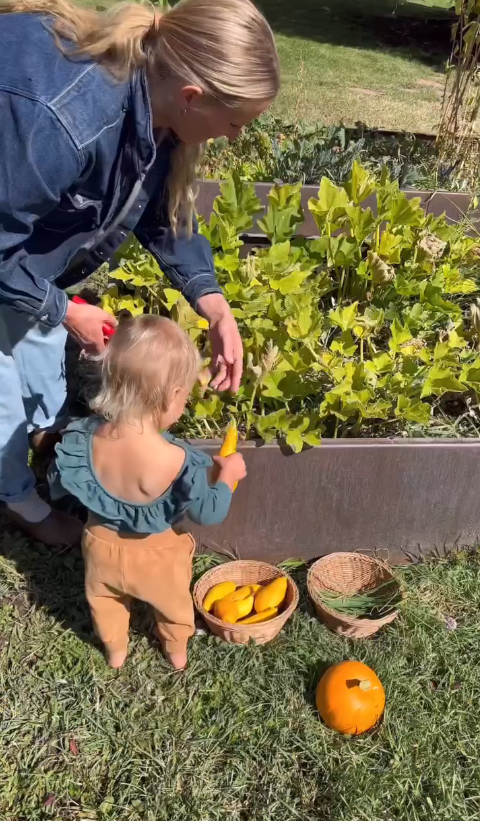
[(136, 483)]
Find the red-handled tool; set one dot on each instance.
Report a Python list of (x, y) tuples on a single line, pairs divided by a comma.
[(108, 330)]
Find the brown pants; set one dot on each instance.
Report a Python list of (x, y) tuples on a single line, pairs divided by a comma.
[(156, 569)]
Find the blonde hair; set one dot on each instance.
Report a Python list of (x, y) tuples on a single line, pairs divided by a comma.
[(225, 47), (146, 361)]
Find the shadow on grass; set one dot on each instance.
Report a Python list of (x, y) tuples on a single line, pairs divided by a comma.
[(412, 29), (53, 580)]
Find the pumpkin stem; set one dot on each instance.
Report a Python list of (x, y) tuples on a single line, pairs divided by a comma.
[(364, 685)]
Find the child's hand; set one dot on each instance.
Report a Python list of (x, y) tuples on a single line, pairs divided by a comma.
[(231, 469)]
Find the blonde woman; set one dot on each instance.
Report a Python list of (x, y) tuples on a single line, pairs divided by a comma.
[(102, 119)]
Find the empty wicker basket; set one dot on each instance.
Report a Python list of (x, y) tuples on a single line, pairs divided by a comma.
[(245, 572), (349, 573)]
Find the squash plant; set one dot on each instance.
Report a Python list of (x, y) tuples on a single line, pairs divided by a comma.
[(357, 332)]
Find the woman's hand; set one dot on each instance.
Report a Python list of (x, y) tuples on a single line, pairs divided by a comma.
[(84, 322), (227, 348)]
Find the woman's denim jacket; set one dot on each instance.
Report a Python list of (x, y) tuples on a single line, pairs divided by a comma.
[(79, 171)]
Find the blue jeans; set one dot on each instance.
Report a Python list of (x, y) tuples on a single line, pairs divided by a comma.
[(33, 394)]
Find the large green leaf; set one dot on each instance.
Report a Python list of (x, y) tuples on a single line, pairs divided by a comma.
[(345, 344), (362, 222), (331, 204), (284, 212), (413, 410), (390, 247), (237, 203), (400, 335), (470, 375), (431, 293), (345, 317), (404, 211), (209, 408), (343, 252), (362, 184), (441, 380), (290, 283)]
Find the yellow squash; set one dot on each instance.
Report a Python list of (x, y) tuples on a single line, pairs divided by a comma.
[(230, 443), (232, 611), (217, 592), (242, 592), (271, 596), (265, 615)]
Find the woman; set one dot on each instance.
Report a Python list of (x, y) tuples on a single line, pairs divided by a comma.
[(102, 120)]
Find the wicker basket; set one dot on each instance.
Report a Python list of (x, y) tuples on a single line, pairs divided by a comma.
[(245, 572), (348, 573)]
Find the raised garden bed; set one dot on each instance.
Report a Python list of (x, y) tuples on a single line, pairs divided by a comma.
[(398, 499), (394, 356), (454, 204), (270, 149)]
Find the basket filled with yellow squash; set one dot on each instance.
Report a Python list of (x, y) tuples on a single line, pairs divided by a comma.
[(246, 601)]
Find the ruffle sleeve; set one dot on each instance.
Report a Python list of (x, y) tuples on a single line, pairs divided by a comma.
[(189, 494)]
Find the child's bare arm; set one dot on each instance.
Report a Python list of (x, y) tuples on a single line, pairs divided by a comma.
[(212, 502)]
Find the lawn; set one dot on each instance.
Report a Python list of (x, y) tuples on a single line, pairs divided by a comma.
[(237, 736), (376, 61), (380, 62)]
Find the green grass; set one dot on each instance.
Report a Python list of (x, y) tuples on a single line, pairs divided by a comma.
[(237, 736), (354, 60), (338, 65)]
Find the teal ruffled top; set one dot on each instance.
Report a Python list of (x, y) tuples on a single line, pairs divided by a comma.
[(190, 493)]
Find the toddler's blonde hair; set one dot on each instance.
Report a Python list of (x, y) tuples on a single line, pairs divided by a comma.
[(146, 360)]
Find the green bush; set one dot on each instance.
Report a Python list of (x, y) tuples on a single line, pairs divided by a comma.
[(359, 332), (270, 150)]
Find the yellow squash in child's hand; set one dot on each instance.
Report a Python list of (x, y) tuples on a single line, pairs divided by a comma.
[(232, 611), (217, 592), (230, 443), (265, 615), (272, 595)]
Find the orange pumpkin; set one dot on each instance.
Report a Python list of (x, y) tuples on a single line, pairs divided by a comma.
[(350, 698)]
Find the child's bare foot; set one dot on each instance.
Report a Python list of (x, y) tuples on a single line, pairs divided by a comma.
[(116, 658), (177, 660)]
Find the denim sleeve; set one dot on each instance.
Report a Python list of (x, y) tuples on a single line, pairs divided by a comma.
[(212, 506), (38, 163), (186, 261)]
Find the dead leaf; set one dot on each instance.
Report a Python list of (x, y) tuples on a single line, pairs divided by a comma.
[(382, 272), (73, 746), (432, 246)]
